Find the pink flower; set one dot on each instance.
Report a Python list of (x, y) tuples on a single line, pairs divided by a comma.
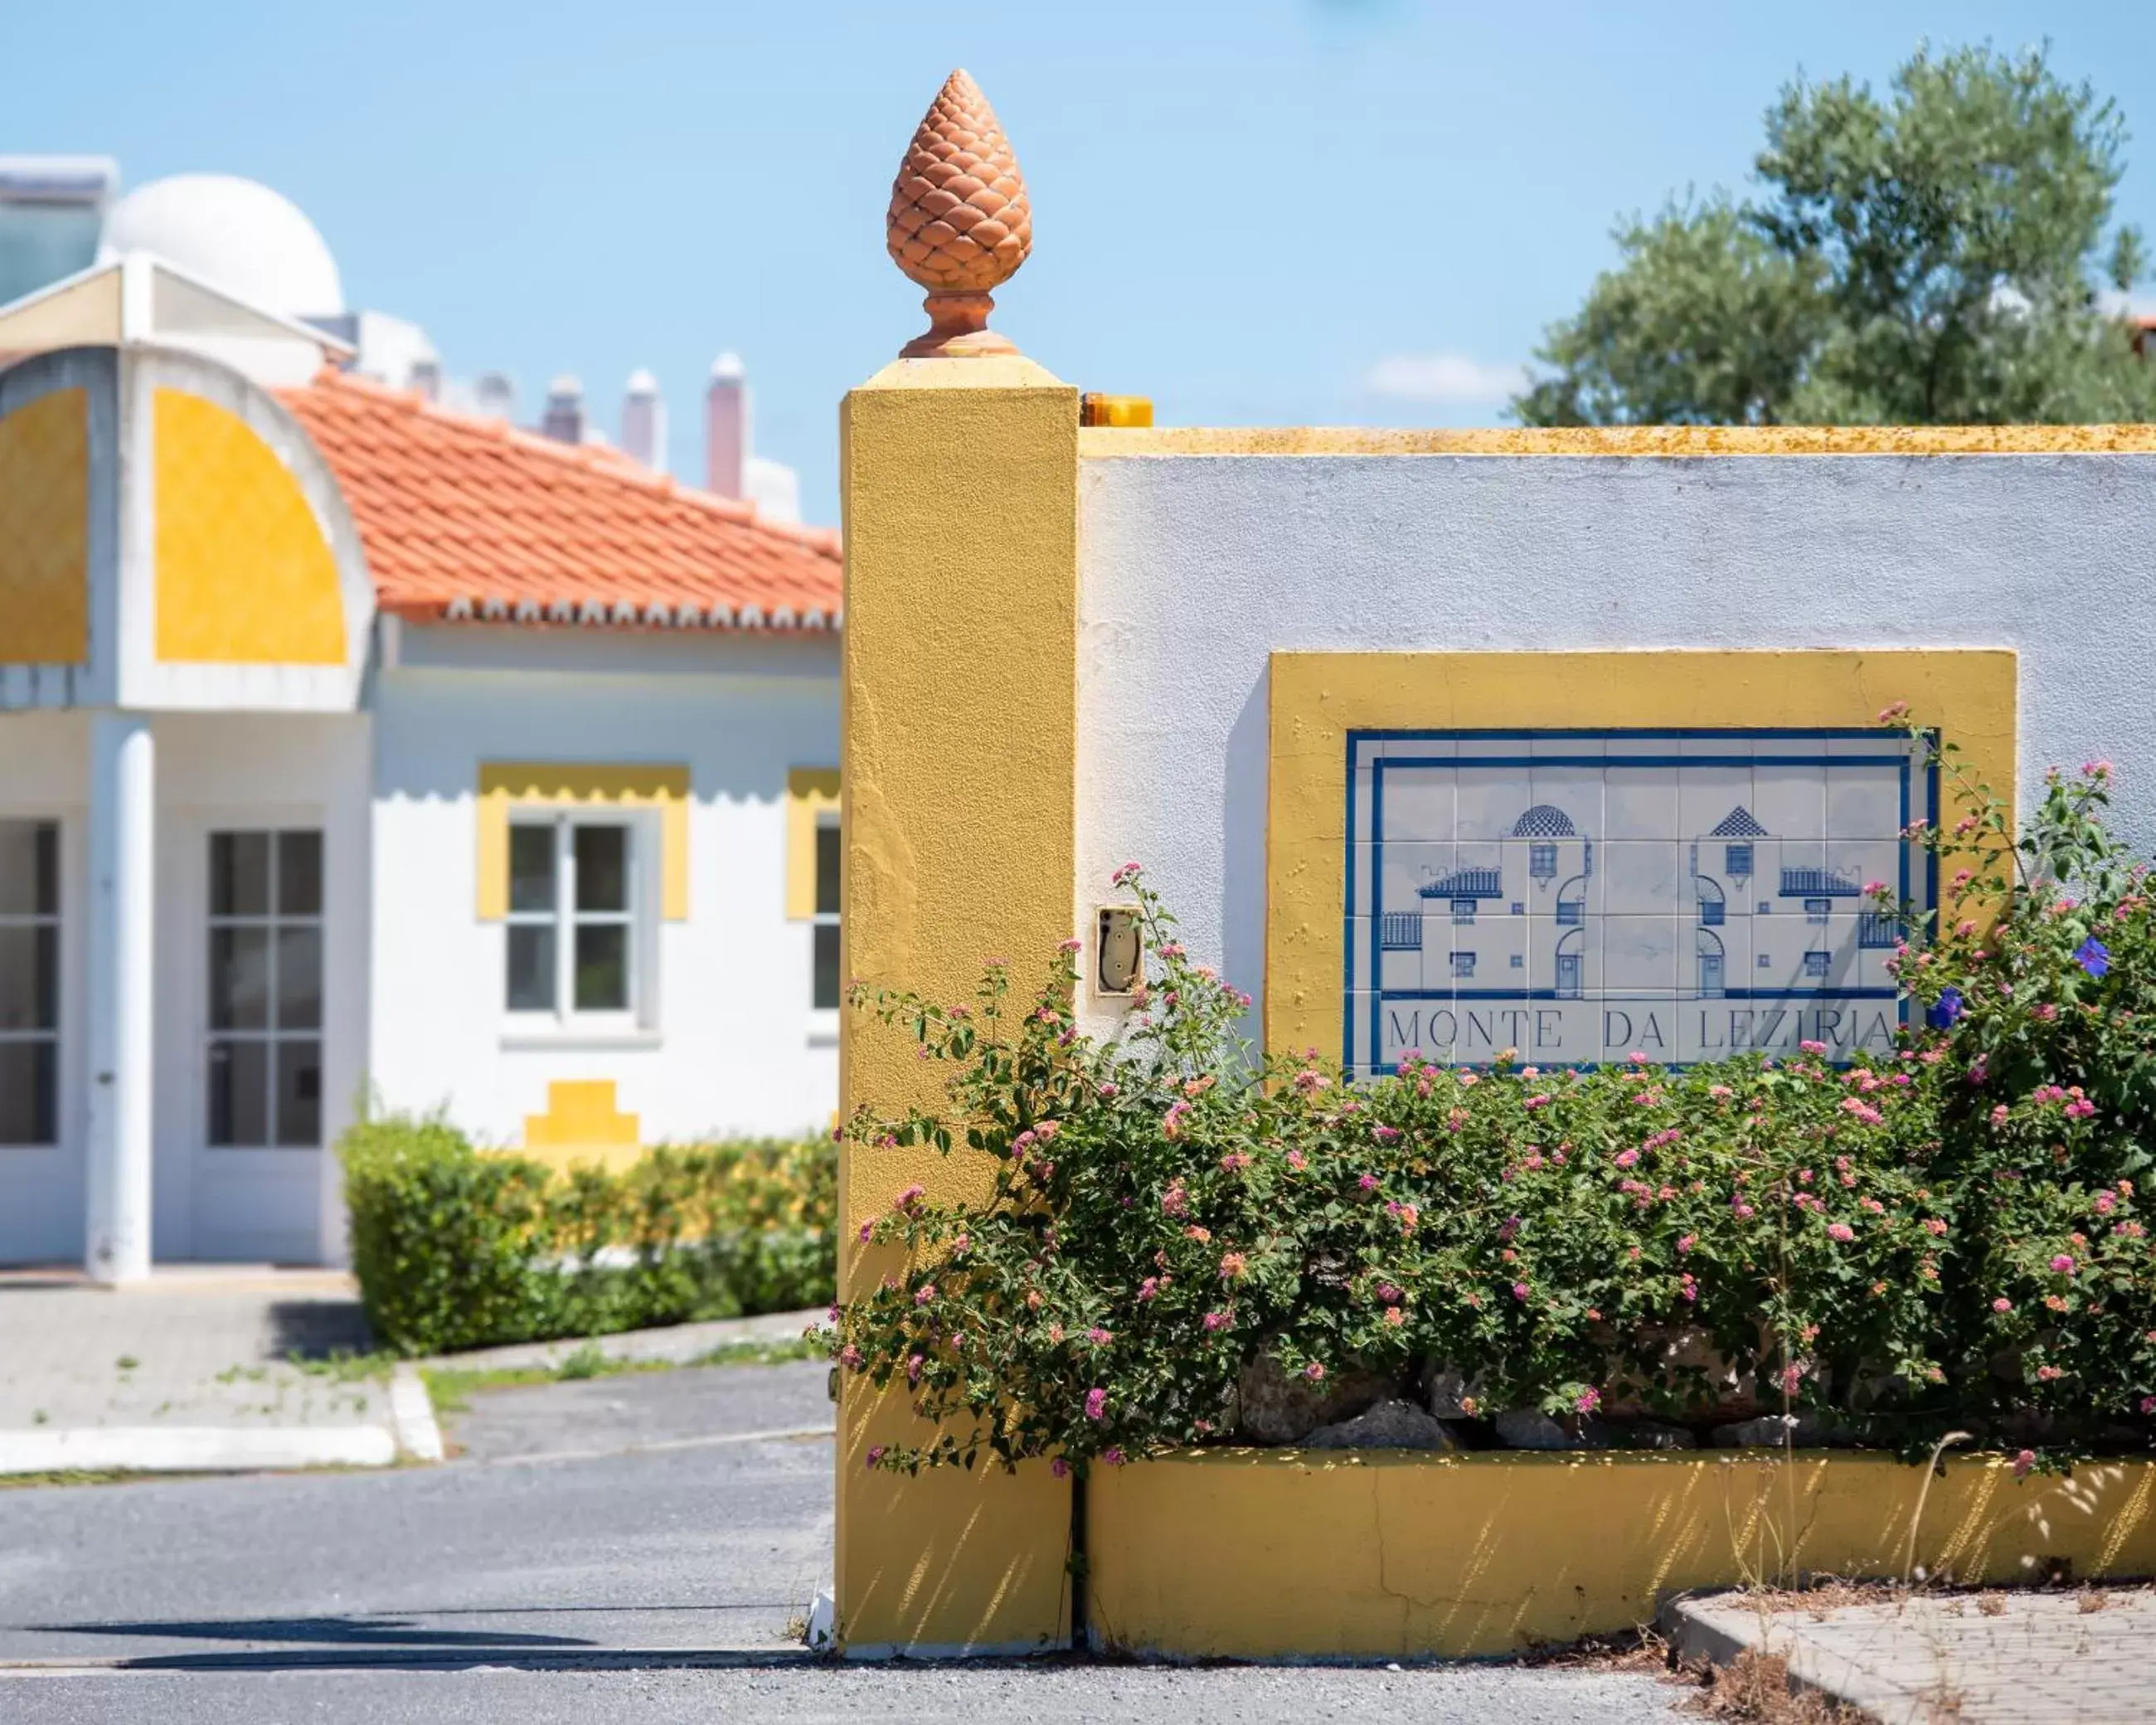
[(2148, 1404), (923, 1294), (1108, 1091), (1070, 946), (1813, 1048), (1863, 1110), (1175, 1201), (2002, 1304), (2063, 1265), (1297, 1161), (1895, 714), (1841, 1231), (1216, 1321), (1367, 1182), (1232, 1265), (1059, 1467), (1314, 1372), (1520, 1291), (1394, 1315), (1588, 1400), (2023, 1462), (867, 1233), (1875, 889), (1098, 1337), (875, 1455), (1096, 1404), (1113, 1455), (913, 1369), (1123, 876), (1685, 1242), (1310, 1081), (850, 1355), (907, 1199), (1149, 1289), (1636, 1058)]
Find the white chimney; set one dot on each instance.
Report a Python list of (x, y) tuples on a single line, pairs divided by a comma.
[(494, 396), (644, 421), (726, 428), (564, 418)]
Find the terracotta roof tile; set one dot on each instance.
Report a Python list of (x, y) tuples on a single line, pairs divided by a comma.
[(466, 518)]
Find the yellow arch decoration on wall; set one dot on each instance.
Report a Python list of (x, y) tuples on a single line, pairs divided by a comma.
[(810, 791), (244, 576), (44, 530)]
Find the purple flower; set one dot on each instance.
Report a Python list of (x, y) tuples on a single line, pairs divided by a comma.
[(1096, 1404), (2093, 957), (1947, 1009)]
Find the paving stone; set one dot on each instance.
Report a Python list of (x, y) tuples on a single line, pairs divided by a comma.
[(1991, 1659)]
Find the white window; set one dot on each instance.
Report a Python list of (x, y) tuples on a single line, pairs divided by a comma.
[(578, 922), (30, 982), (824, 983), (265, 1052)]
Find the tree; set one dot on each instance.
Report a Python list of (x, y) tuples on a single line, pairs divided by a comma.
[(1935, 259)]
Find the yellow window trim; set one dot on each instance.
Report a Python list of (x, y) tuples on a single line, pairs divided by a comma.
[(810, 791), (1318, 698), (506, 784)]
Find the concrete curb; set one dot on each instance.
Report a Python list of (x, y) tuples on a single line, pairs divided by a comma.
[(677, 1344), (412, 1409), (195, 1448), (1716, 1628)]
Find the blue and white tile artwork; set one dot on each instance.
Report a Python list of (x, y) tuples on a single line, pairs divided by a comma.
[(1582, 895)]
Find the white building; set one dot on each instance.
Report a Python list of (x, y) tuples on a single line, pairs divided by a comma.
[(352, 747)]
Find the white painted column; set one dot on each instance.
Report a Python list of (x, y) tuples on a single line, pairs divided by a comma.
[(123, 789)]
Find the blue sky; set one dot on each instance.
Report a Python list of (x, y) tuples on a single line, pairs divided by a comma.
[(1268, 212)]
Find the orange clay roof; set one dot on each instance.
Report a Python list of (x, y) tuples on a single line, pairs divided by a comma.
[(471, 520)]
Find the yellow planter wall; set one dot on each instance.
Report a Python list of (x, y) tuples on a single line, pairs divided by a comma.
[(1273, 1553)]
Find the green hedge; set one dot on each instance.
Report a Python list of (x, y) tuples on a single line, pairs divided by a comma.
[(454, 1249)]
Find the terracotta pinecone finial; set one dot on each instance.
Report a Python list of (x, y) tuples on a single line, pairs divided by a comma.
[(959, 224)]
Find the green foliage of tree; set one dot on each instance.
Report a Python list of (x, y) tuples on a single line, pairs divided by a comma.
[(1936, 257)]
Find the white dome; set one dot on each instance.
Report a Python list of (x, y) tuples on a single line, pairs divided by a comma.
[(234, 234)]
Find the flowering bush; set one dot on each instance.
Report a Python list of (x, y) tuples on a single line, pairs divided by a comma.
[(1949, 1231)]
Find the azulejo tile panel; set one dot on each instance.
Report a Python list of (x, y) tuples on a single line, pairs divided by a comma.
[(1582, 895)]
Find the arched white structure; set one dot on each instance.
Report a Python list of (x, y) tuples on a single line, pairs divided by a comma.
[(233, 233)]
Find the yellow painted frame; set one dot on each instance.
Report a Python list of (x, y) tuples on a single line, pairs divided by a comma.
[(504, 784), (1318, 698), (810, 791)]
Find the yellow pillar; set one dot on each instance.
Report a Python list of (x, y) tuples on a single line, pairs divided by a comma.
[(960, 479)]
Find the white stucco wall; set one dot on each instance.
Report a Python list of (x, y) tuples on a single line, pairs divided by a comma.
[(1195, 568), (736, 1046)]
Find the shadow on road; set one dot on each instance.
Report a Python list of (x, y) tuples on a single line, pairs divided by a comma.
[(397, 1643)]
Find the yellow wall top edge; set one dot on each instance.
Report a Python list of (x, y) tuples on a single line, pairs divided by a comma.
[(1105, 443)]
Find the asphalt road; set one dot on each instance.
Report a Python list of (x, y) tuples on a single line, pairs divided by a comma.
[(630, 1546)]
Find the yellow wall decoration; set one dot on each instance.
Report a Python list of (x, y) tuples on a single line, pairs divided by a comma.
[(582, 1128), (44, 530), (244, 576), (504, 783), (810, 791)]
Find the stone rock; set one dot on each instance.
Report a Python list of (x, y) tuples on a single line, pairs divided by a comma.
[(1654, 1435), (1531, 1429), (1445, 1392), (1389, 1425), (1798, 1431), (1273, 1408)]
